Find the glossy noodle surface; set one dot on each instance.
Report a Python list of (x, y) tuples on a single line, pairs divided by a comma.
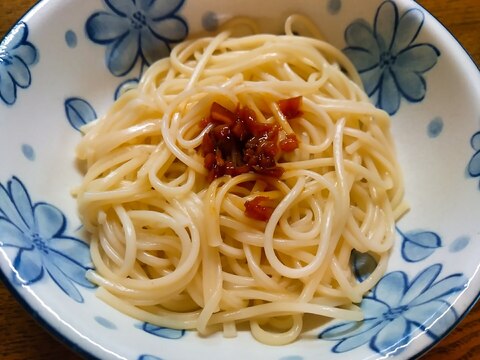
[(175, 246)]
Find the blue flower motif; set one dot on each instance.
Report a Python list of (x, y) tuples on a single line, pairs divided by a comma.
[(389, 63), (474, 163), (459, 244), (79, 112), (136, 28), (148, 357), (418, 245), (397, 309), (37, 231), (161, 331), (16, 55)]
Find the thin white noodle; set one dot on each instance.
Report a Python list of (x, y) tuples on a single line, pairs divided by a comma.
[(175, 250)]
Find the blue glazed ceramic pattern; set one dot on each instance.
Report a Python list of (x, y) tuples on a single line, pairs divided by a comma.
[(37, 231), (17, 55), (79, 112), (402, 57), (396, 309), (418, 245), (474, 163), (387, 57), (162, 331), (132, 30), (141, 31)]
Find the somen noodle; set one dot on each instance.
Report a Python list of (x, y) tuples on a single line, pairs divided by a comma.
[(232, 185)]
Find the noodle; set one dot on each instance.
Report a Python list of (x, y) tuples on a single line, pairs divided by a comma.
[(176, 246)]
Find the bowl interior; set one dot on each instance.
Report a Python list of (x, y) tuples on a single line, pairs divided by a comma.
[(65, 76)]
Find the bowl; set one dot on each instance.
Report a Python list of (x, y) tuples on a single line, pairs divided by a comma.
[(64, 63)]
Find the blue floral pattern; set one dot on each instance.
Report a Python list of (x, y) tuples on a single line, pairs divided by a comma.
[(16, 55), (148, 357), (161, 331), (79, 112), (133, 29), (474, 163), (37, 231), (390, 64), (396, 309), (418, 245)]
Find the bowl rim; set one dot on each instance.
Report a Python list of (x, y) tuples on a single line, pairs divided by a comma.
[(88, 353)]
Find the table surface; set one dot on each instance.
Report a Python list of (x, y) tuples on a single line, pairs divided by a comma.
[(22, 338)]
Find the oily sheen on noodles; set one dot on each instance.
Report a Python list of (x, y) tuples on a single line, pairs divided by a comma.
[(232, 185)]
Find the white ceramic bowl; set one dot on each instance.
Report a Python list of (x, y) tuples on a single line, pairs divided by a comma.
[(63, 63)]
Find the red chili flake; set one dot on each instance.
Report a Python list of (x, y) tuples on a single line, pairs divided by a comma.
[(241, 170), (220, 132), (275, 172), (247, 185), (219, 159), (207, 145), (230, 168), (290, 108), (255, 210), (249, 118), (221, 115), (204, 122), (239, 130), (289, 144), (209, 161), (238, 143)]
